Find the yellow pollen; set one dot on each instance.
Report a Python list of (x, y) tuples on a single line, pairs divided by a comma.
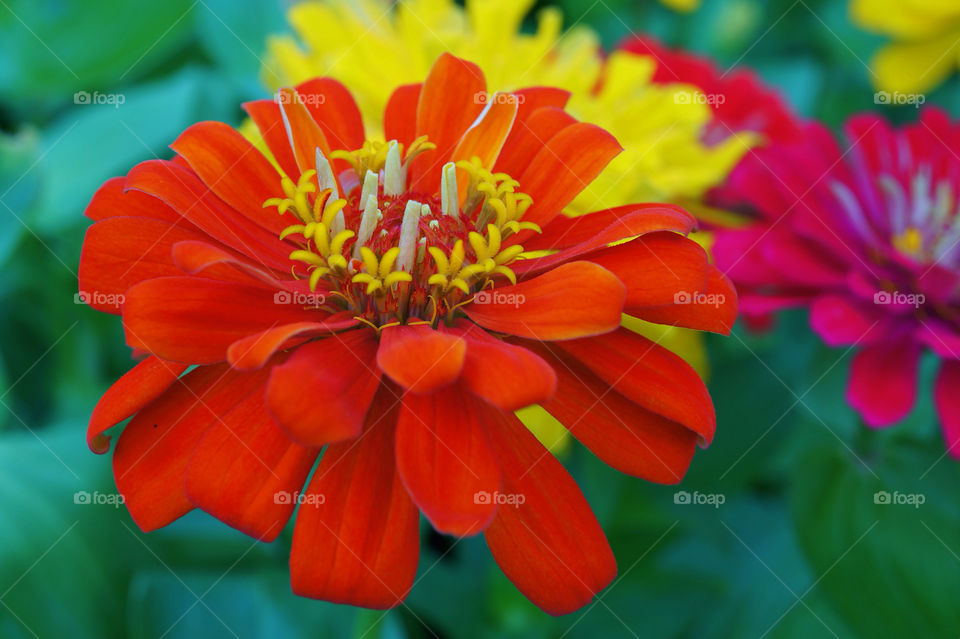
[(390, 257), (909, 242), (373, 154)]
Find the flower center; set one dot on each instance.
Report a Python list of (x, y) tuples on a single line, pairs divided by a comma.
[(392, 255), (923, 217)]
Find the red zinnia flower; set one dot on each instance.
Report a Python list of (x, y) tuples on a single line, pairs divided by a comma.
[(742, 104), (745, 102), (390, 313), (869, 239)]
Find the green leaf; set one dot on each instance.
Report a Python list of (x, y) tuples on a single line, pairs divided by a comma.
[(93, 142), (234, 34), (229, 601), (19, 185), (904, 555), (57, 577), (443, 597), (50, 50)]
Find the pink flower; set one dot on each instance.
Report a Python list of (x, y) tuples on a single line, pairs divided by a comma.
[(868, 238)]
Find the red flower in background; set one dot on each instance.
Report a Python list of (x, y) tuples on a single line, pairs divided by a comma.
[(868, 239), (390, 313), (747, 104), (742, 103)]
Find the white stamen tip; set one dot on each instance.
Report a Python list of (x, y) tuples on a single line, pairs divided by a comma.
[(370, 184), (409, 232), (338, 224), (448, 190), (325, 178), (368, 221), (394, 177)]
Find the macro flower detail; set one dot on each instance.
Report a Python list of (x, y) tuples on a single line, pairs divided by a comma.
[(384, 305), (867, 239), (666, 156), (924, 50)]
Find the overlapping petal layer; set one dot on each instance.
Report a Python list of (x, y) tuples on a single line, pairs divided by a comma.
[(386, 313)]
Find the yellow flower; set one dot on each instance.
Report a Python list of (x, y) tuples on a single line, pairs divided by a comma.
[(682, 5), (926, 41), (373, 46)]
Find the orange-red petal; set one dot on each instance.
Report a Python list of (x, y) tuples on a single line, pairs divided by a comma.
[(449, 103), (529, 136), (195, 320), (550, 545), (507, 376), (153, 450), (112, 200), (658, 268), (611, 225), (714, 309), (419, 358), (246, 472), (303, 132), (233, 169), (356, 540), (649, 375), (321, 394), (220, 263), (486, 136), (574, 300), (564, 167), (266, 115), (253, 351), (135, 389), (531, 99), (119, 252), (400, 115), (446, 461), (182, 190), (621, 433), (335, 111)]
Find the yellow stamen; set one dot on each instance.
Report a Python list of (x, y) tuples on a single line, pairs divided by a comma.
[(379, 274), (909, 242), (491, 209)]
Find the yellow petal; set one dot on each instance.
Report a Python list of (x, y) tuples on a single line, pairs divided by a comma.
[(905, 19), (682, 5), (915, 67), (546, 428)]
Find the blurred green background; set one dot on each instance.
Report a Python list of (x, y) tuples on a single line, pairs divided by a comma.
[(798, 548)]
